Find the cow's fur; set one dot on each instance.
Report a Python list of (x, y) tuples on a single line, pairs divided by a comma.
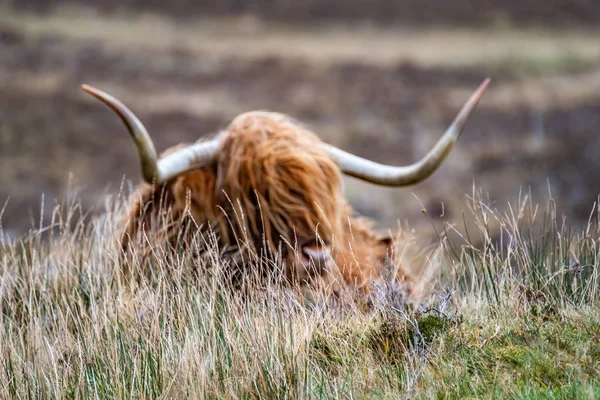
[(272, 191)]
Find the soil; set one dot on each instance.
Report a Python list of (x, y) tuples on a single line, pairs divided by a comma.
[(406, 12)]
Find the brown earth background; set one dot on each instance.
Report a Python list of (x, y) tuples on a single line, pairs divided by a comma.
[(379, 78)]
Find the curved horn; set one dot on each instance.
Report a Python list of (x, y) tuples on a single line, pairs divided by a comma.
[(155, 170), (402, 176)]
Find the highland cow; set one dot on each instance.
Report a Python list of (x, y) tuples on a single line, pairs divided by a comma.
[(269, 180)]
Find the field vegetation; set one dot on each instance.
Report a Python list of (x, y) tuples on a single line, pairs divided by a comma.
[(515, 318), (508, 301)]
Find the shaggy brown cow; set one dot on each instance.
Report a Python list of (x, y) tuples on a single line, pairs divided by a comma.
[(272, 182)]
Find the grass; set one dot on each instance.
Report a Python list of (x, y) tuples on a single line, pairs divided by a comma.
[(513, 313)]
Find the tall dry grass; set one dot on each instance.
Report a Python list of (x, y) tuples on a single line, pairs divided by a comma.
[(511, 310)]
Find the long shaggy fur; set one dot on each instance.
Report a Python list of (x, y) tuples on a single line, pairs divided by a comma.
[(272, 191)]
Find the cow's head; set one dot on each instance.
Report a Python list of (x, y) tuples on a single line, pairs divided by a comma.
[(276, 182)]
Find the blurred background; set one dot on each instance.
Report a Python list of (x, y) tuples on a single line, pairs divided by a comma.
[(379, 78)]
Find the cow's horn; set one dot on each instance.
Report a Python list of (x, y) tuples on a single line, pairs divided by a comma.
[(402, 176), (155, 170)]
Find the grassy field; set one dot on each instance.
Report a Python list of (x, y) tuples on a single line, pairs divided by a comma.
[(518, 318), (508, 304)]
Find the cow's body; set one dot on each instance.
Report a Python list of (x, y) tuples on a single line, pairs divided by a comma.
[(269, 192), (272, 192)]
